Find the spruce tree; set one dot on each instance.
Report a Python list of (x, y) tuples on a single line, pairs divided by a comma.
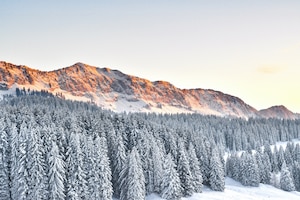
[(195, 170), (103, 172), (76, 176), (37, 180), (286, 180), (217, 174), (118, 163), (4, 160), (184, 171), (171, 187), (56, 174), (296, 175), (21, 172), (249, 174), (132, 178), (157, 157)]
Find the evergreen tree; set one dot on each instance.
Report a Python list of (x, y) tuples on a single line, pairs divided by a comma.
[(56, 174), (260, 166), (280, 157), (184, 171), (288, 156), (266, 170), (133, 181), (296, 175), (76, 177), (249, 171), (217, 174), (4, 168), (103, 172), (118, 163), (157, 157), (37, 180), (274, 160), (21, 173), (296, 153), (286, 180), (171, 187), (195, 170)]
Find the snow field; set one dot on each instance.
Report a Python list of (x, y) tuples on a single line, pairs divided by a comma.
[(236, 191)]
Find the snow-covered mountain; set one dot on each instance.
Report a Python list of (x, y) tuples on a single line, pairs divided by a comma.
[(112, 89)]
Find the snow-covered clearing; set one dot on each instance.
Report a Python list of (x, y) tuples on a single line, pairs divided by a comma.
[(236, 191), (283, 144)]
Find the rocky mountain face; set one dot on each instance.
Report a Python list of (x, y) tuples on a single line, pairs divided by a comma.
[(111, 89)]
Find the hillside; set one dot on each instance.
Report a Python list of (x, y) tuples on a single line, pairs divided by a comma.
[(116, 91)]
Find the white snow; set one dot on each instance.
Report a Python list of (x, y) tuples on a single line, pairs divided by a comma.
[(283, 144), (235, 191)]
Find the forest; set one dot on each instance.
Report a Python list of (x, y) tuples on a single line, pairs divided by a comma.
[(52, 148)]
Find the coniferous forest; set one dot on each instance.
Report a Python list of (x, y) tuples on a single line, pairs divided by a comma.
[(56, 149)]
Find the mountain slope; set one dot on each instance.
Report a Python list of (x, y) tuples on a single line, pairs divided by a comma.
[(280, 112), (119, 92)]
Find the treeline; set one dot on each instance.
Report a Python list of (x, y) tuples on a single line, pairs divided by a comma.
[(29, 92), (56, 149)]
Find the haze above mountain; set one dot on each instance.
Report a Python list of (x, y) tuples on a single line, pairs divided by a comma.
[(114, 90)]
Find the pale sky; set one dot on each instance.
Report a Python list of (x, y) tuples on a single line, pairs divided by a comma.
[(246, 48)]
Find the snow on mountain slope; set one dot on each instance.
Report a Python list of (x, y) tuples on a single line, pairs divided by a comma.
[(114, 90), (236, 191)]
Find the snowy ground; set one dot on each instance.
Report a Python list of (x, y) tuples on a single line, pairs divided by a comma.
[(235, 191)]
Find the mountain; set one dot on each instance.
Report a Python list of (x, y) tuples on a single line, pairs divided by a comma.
[(114, 90), (280, 112)]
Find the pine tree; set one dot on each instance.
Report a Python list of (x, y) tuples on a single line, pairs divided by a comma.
[(171, 187), (195, 170), (56, 174), (296, 175), (4, 170), (288, 156), (274, 160), (76, 177), (36, 166), (184, 171), (266, 170), (286, 180), (297, 153), (203, 154), (260, 166), (118, 163), (280, 157), (21, 174), (157, 157), (132, 178), (103, 172), (90, 166), (217, 174)]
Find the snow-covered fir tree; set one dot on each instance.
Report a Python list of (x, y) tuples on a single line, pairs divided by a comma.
[(217, 174), (133, 181), (286, 180), (184, 171), (4, 160), (171, 187), (195, 170), (56, 174), (37, 180)]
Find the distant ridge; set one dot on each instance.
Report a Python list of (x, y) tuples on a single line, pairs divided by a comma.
[(114, 90)]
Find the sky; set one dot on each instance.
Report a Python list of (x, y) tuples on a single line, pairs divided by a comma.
[(249, 48)]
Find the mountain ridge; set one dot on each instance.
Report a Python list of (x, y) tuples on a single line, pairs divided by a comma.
[(114, 90)]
